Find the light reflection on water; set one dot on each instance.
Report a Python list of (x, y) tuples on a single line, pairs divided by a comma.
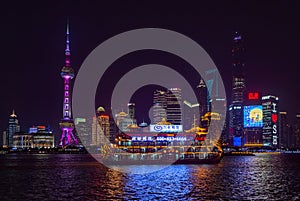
[(80, 177)]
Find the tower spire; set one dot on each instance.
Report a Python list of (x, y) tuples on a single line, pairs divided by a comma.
[(67, 51), (13, 113)]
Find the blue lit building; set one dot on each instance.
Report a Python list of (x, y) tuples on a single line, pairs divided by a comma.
[(13, 127)]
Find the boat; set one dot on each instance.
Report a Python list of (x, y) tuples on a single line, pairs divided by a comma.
[(136, 148)]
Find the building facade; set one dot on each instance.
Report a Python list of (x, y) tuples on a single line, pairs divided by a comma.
[(297, 133), (284, 134), (174, 104), (253, 120), (37, 137), (270, 121)]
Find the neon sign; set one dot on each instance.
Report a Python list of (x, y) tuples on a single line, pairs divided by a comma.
[(253, 96), (166, 128), (161, 138)]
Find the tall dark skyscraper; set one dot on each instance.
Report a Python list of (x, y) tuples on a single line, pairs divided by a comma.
[(284, 133), (238, 82), (238, 89), (296, 133), (203, 99)]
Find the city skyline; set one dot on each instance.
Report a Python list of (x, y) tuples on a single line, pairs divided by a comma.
[(267, 58)]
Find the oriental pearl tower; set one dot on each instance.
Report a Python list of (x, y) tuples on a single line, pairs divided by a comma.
[(67, 125)]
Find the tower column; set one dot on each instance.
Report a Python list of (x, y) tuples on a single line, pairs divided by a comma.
[(67, 125)]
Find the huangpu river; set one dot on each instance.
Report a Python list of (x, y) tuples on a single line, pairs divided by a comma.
[(80, 177)]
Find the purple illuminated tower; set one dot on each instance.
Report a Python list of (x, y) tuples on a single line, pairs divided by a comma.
[(67, 125)]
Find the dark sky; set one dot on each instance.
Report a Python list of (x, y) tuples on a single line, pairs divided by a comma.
[(33, 42)]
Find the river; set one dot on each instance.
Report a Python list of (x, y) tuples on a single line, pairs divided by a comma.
[(80, 177)]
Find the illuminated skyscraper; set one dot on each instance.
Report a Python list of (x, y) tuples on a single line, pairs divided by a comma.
[(13, 127), (270, 121), (167, 105), (238, 89), (67, 124), (131, 112), (174, 104), (159, 106), (103, 121), (190, 112)]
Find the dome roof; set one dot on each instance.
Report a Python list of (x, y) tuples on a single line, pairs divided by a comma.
[(122, 114), (100, 109), (67, 71)]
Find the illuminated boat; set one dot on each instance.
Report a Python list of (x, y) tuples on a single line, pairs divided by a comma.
[(185, 147)]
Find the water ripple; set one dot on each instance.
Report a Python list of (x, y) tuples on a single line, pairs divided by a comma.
[(80, 177)]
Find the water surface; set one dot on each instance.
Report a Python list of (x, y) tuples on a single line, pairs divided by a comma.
[(80, 177)]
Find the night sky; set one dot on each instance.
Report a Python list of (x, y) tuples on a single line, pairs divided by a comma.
[(33, 43)]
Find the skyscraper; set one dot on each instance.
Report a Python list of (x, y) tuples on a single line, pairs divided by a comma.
[(297, 133), (159, 106), (167, 105), (203, 99), (67, 124), (174, 104), (103, 121), (238, 89), (13, 127), (270, 121), (84, 130), (190, 112), (283, 130), (131, 112)]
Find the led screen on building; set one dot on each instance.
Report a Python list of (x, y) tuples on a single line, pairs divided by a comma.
[(253, 116)]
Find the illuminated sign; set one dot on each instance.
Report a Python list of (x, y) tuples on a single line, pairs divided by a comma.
[(269, 97), (161, 138), (144, 138), (33, 130), (253, 116), (253, 96), (171, 138), (274, 118), (274, 140), (166, 128)]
